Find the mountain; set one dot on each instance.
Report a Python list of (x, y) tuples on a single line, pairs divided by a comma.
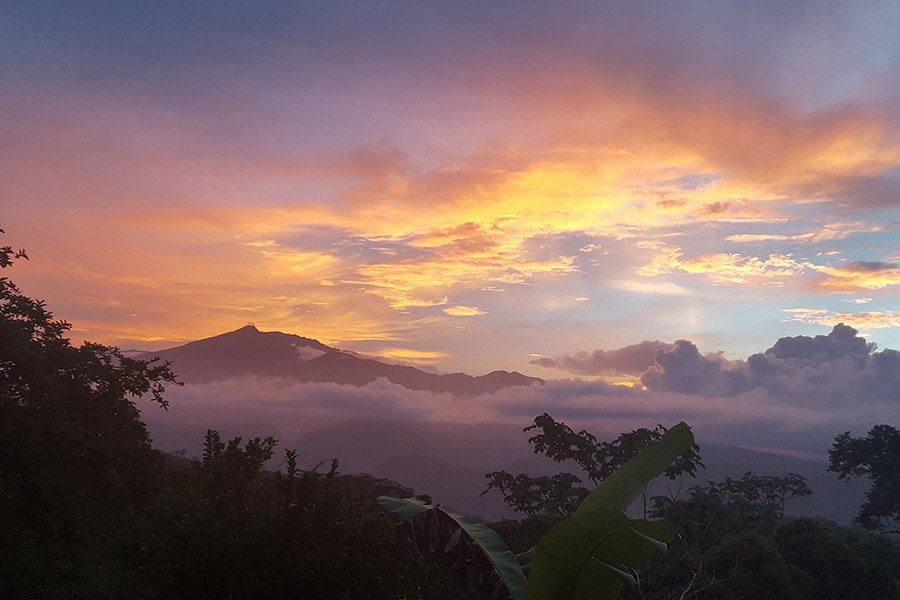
[(250, 352), (446, 460)]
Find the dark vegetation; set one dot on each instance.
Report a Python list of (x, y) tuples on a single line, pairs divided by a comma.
[(734, 541), (876, 456), (562, 493), (88, 509)]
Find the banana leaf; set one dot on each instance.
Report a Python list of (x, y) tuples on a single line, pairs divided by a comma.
[(619, 489), (439, 530), (593, 553), (405, 508)]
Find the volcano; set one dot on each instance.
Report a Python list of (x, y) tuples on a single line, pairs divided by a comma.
[(251, 352)]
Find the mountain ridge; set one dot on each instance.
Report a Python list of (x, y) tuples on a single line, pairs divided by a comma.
[(250, 352)]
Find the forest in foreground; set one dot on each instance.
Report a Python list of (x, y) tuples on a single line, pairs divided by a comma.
[(88, 508)]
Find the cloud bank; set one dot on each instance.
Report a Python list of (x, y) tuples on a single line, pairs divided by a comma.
[(799, 393), (838, 369), (630, 360)]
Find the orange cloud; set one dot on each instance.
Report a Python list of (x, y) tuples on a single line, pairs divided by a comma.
[(411, 355), (726, 268), (857, 276), (463, 311), (860, 320), (828, 232)]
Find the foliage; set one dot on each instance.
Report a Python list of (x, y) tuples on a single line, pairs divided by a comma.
[(599, 459), (558, 494), (77, 460), (837, 562), (88, 510), (595, 552), (7, 255), (877, 457), (475, 553), (735, 543), (752, 497), (561, 494), (523, 535), (725, 548), (227, 528)]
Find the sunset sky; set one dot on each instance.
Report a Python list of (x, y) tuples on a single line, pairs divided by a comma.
[(471, 185)]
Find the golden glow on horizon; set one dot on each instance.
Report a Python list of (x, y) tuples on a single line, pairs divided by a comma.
[(410, 355), (463, 311)]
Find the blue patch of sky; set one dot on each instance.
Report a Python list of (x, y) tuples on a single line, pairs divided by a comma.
[(339, 242), (836, 304), (695, 181), (869, 247), (551, 245)]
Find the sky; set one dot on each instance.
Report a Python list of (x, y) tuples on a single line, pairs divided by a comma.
[(468, 185)]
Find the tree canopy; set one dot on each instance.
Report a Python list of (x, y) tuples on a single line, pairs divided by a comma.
[(876, 456), (562, 493), (76, 457), (88, 510)]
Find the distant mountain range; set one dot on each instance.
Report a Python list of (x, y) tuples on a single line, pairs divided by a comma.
[(250, 352), (449, 460), (446, 460)]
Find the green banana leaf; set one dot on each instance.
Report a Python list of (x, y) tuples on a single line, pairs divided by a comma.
[(592, 553), (444, 533), (589, 555), (619, 489), (524, 559), (405, 508)]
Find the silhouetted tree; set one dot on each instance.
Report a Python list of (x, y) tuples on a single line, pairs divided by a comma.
[(76, 459), (228, 528), (754, 497), (558, 494), (561, 494), (88, 510), (876, 456), (830, 561), (726, 548)]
